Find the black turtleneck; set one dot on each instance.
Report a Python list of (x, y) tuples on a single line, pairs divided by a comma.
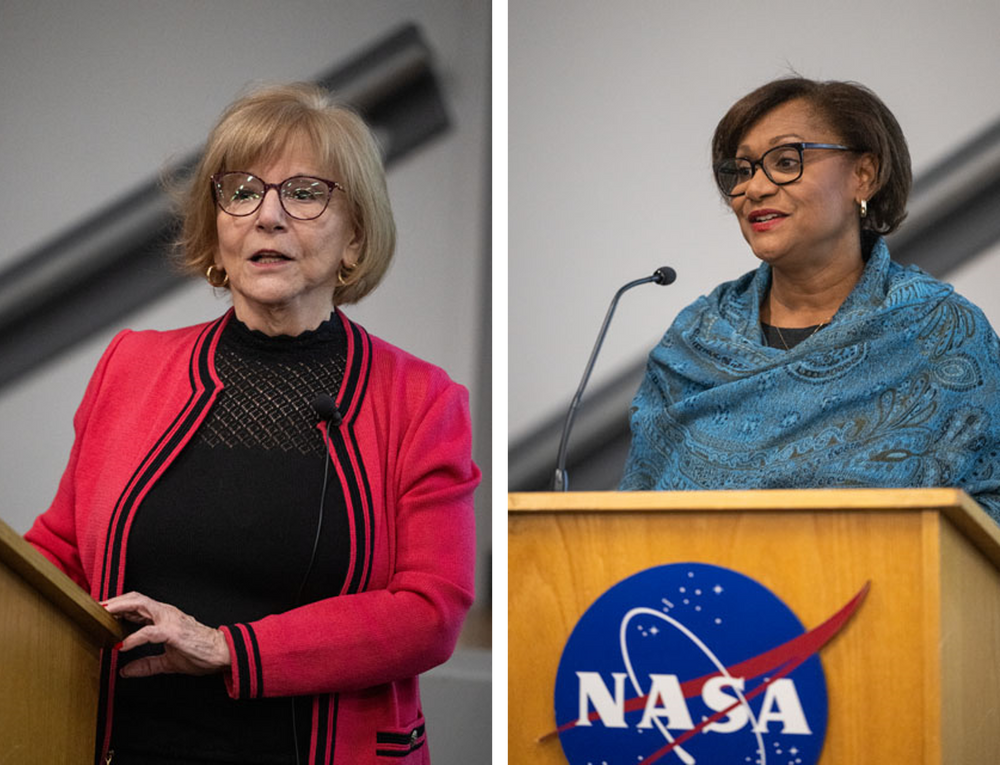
[(226, 534)]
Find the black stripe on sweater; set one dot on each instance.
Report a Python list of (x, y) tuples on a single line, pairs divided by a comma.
[(164, 448), (255, 650)]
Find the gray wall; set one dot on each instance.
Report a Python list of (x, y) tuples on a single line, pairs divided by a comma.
[(100, 94), (612, 108)]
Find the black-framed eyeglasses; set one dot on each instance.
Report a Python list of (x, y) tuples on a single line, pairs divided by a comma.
[(782, 165), (303, 197)]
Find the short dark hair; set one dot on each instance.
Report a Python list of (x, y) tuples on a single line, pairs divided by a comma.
[(861, 120)]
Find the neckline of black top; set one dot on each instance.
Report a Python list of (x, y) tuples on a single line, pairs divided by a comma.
[(329, 334), (787, 338)]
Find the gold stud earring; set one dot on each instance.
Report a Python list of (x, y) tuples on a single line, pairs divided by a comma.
[(863, 204)]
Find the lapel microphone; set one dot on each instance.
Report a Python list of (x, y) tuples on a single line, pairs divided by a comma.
[(326, 408)]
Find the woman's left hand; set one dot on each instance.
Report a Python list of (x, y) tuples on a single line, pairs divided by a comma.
[(189, 647)]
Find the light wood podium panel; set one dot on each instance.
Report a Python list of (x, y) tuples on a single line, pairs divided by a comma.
[(913, 678), (51, 635)]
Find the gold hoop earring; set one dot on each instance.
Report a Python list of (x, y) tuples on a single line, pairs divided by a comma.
[(343, 280), (212, 275), (863, 204)]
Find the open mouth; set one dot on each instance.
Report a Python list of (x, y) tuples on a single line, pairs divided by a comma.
[(763, 216), (268, 256)]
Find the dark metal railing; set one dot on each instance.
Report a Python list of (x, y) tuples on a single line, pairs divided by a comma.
[(116, 261)]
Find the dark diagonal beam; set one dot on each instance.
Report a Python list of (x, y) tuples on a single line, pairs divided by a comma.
[(116, 261)]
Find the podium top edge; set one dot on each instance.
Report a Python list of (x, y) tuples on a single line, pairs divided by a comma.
[(954, 504), (41, 574), (752, 500)]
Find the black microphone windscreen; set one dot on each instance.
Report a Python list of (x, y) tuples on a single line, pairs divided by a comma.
[(664, 275), (326, 408)]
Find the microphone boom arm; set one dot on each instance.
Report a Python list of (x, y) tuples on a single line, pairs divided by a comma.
[(663, 275)]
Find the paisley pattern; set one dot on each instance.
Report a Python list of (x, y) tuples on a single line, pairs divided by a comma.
[(829, 365), (901, 389)]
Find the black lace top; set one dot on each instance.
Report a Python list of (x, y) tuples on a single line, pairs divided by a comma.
[(226, 535)]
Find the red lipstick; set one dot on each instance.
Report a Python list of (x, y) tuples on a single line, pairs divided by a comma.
[(765, 219)]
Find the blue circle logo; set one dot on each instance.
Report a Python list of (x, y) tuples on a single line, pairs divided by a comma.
[(689, 663)]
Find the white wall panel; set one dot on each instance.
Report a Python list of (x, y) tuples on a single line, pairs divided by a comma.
[(612, 109)]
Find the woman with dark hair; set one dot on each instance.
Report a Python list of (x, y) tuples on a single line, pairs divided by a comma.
[(278, 503), (829, 365)]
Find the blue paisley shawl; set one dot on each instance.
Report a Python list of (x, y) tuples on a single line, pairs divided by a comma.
[(901, 389)]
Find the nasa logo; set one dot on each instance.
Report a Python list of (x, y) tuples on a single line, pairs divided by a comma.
[(696, 663)]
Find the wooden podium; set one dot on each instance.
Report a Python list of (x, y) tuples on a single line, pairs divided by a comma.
[(914, 677), (51, 634)]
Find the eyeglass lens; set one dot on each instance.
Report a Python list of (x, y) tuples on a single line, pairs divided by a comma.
[(782, 164), (302, 197)]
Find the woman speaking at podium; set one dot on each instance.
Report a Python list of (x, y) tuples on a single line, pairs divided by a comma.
[(279, 503), (829, 365)]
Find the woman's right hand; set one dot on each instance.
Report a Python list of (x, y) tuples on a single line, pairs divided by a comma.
[(189, 647)]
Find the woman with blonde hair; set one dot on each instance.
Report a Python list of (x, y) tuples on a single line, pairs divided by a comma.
[(278, 502)]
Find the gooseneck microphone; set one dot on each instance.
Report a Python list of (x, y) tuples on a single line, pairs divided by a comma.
[(663, 275)]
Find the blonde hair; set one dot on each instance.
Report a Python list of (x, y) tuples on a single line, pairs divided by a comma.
[(256, 128)]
